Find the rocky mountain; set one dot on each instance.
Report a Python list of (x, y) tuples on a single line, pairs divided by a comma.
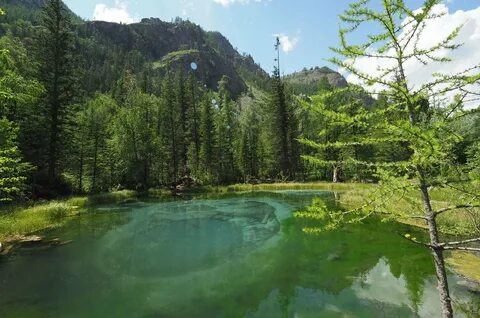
[(151, 44), (307, 81)]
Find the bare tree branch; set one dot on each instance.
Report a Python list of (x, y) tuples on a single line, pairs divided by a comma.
[(415, 241), (472, 249), (461, 242), (456, 207)]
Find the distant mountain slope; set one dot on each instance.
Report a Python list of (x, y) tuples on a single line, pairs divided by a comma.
[(176, 45), (108, 47), (307, 81), (28, 10)]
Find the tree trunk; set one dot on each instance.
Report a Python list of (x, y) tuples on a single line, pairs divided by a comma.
[(80, 172), (335, 178), (52, 150), (437, 252), (95, 165)]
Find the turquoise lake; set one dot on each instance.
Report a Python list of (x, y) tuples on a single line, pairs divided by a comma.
[(234, 255)]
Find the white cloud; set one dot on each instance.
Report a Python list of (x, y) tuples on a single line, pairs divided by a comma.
[(288, 43), (118, 13), (436, 30), (227, 3)]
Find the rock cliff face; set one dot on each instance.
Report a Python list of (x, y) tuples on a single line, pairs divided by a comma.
[(307, 81), (175, 46)]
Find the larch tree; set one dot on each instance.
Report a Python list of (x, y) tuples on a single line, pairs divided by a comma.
[(417, 115), (338, 110)]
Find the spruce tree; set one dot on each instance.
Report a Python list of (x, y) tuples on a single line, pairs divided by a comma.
[(226, 126), (283, 121), (207, 136), (193, 95), (55, 54), (183, 108), (250, 145), (170, 120)]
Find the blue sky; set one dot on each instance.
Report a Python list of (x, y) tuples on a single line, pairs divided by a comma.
[(308, 27)]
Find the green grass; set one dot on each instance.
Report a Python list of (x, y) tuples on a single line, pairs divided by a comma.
[(173, 57), (465, 263), (28, 220), (23, 220), (326, 186)]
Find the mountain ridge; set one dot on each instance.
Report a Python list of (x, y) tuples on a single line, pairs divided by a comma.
[(153, 39)]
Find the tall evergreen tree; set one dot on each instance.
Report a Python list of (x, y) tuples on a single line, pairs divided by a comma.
[(182, 106), (283, 123), (249, 146), (170, 127), (226, 126), (194, 121), (207, 136), (55, 53)]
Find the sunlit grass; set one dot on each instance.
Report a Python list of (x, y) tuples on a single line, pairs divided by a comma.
[(326, 186), (22, 220), (465, 263), (35, 218)]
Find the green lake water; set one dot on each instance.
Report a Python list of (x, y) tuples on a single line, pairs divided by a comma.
[(236, 255)]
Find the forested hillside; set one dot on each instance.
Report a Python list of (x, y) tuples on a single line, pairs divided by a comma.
[(97, 106)]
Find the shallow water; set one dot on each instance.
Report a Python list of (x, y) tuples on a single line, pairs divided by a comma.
[(222, 256)]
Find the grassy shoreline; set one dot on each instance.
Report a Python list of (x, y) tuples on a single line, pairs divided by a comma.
[(17, 221), (23, 220)]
